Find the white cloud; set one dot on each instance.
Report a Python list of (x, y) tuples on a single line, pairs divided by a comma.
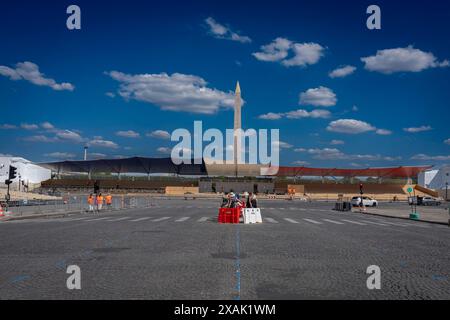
[(301, 163), (40, 138), (300, 113), (342, 72), (7, 126), (303, 54), (355, 108), (447, 141), (164, 150), (336, 154), (319, 97), (30, 71), (59, 135), (402, 60), (220, 31), (282, 145), (96, 155), (392, 158), (271, 116), (69, 135), (47, 126), (275, 51), (418, 129), (356, 165), (323, 154), (60, 155), (177, 92), (383, 132), (296, 114), (160, 134), (110, 94), (336, 142), (422, 156), (350, 126), (128, 134), (27, 126), (103, 144)]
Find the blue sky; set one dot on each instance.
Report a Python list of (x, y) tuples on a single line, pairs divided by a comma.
[(139, 69)]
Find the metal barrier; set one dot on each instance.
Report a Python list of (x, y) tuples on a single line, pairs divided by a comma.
[(75, 203), (343, 206)]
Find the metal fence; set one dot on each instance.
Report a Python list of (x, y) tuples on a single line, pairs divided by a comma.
[(76, 203)]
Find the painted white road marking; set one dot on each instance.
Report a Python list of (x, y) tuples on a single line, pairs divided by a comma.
[(182, 219), (141, 219), (354, 222), (332, 221), (161, 219), (312, 221), (270, 220), (117, 219), (77, 219), (203, 219), (376, 223), (291, 220), (97, 219)]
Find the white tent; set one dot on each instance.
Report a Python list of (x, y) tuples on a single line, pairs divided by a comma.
[(27, 171), (435, 179)]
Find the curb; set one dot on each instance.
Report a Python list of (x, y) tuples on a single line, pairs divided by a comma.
[(44, 215), (404, 218), (54, 215)]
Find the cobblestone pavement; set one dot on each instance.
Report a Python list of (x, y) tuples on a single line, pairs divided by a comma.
[(177, 250)]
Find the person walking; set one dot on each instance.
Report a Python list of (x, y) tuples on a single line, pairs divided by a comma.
[(108, 200), (253, 201), (90, 201), (99, 202)]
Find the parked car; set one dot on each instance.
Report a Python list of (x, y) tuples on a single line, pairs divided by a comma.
[(424, 201), (367, 201), (430, 201)]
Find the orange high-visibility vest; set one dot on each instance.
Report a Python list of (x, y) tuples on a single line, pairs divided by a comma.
[(108, 199), (90, 200), (100, 200)]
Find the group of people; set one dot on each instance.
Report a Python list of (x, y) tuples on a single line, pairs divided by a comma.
[(96, 201), (233, 200)]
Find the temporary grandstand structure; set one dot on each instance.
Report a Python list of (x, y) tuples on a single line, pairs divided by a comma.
[(389, 172), (128, 165), (166, 166)]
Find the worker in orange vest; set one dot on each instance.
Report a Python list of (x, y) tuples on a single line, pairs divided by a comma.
[(90, 201), (108, 200), (99, 202)]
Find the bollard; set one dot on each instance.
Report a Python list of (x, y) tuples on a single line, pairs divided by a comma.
[(414, 216)]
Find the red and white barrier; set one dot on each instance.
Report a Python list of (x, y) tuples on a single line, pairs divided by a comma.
[(252, 215)]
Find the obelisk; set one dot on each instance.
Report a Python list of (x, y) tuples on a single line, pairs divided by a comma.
[(237, 128)]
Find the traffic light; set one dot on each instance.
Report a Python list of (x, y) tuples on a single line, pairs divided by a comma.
[(12, 173), (361, 188)]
